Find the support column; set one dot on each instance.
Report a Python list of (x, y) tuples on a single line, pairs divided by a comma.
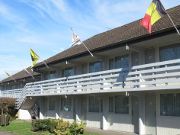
[(105, 123), (142, 129), (41, 108)]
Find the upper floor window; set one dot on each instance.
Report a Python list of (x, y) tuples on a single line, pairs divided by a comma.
[(51, 75), (95, 66), (119, 62), (169, 53), (170, 104), (68, 72), (149, 56)]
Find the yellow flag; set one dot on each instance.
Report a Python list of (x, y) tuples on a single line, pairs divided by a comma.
[(34, 57)]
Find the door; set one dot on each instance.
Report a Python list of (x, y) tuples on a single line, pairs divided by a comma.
[(135, 114), (150, 114)]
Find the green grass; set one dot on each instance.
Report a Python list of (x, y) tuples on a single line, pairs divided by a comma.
[(19, 127)]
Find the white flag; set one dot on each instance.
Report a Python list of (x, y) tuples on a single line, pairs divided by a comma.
[(75, 39)]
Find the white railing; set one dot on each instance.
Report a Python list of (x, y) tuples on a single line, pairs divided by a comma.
[(14, 93), (155, 76), (160, 75)]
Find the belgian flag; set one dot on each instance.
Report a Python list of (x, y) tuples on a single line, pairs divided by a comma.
[(34, 57), (153, 14)]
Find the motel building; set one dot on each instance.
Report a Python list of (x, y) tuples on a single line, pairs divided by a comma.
[(132, 83)]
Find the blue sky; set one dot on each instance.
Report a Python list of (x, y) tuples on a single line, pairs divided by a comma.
[(44, 25)]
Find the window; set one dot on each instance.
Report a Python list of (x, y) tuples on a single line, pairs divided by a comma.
[(66, 104), (95, 104), (170, 104), (51, 104), (149, 56), (169, 53), (122, 104), (111, 104), (95, 66), (52, 75), (68, 72), (111, 64), (122, 62)]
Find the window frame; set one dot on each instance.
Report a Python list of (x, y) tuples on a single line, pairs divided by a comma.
[(96, 106), (173, 109)]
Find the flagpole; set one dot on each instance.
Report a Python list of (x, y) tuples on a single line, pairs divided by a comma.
[(11, 76), (29, 73), (45, 64), (173, 24), (87, 48), (79, 40)]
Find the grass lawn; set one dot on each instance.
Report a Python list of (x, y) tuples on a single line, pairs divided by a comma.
[(19, 127)]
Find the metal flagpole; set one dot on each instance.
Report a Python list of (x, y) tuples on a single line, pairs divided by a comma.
[(29, 73), (173, 24), (45, 64), (87, 48), (79, 40), (11, 76)]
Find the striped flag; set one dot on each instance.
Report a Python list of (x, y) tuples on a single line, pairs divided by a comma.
[(34, 57), (153, 14)]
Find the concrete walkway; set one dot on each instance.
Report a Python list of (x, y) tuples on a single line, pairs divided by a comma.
[(108, 132), (5, 133)]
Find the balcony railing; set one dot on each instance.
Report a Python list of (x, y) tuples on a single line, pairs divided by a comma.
[(155, 76), (14, 93)]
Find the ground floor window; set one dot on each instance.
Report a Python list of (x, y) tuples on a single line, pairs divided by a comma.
[(170, 104), (51, 104), (119, 104), (66, 104), (95, 104)]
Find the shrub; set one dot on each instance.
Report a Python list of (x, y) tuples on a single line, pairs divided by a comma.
[(76, 129), (62, 128), (43, 125), (65, 128), (58, 127)]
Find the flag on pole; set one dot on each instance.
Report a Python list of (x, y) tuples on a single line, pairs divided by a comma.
[(34, 57), (7, 74), (10, 76), (154, 12), (75, 39)]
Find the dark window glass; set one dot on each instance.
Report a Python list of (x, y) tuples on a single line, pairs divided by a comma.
[(170, 104), (66, 104), (51, 104), (111, 64), (122, 62), (95, 66), (111, 104), (95, 104), (169, 53), (68, 72), (121, 104)]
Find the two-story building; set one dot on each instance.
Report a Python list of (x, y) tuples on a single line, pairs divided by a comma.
[(131, 84)]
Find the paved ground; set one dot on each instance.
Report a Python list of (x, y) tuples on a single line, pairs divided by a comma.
[(102, 132), (5, 133)]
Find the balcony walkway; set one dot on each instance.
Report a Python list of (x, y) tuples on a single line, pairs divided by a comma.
[(107, 132)]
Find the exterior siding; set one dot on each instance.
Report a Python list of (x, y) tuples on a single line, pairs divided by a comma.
[(167, 125)]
